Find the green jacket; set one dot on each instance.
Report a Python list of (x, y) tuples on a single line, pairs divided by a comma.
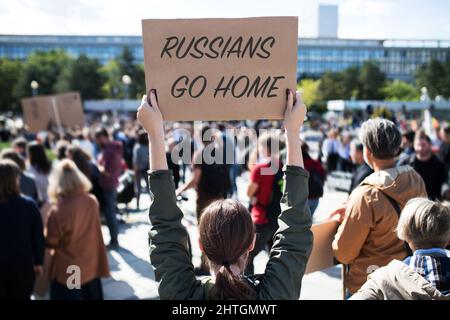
[(288, 256)]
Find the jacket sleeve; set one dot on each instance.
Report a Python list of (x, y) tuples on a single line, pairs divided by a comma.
[(292, 241), (54, 231), (369, 291), (169, 253), (353, 231)]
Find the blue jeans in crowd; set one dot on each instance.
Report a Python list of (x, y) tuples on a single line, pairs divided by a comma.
[(313, 203), (110, 211)]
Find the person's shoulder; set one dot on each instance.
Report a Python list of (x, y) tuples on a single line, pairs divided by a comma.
[(27, 200), (88, 198)]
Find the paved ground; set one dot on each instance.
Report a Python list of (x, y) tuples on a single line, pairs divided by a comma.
[(132, 276)]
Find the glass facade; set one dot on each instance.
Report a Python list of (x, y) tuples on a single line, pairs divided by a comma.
[(397, 58)]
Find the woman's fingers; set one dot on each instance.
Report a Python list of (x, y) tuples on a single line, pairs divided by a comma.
[(153, 101), (290, 100), (298, 98)]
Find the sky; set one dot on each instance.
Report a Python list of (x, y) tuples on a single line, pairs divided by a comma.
[(358, 19)]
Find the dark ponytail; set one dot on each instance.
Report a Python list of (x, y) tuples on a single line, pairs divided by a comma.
[(226, 233), (230, 286)]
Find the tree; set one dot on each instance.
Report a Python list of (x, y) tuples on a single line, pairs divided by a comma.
[(435, 76), (83, 75), (350, 82), (400, 91), (310, 91), (371, 81), (136, 72), (330, 86), (113, 84), (45, 68), (10, 71)]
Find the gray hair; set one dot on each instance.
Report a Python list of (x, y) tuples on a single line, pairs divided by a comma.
[(425, 223), (381, 137)]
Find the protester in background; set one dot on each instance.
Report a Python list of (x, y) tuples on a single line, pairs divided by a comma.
[(344, 161), (84, 142), (27, 185), (317, 176), (210, 180), (330, 149), (365, 236), (61, 149), (425, 226), (429, 167), (73, 231), (140, 163), (361, 168), (39, 167), (21, 237), (444, 148), (87, 166), (20, 146), (407, 146), (110, 166), (229, 158), (226, 230), (264, 192)]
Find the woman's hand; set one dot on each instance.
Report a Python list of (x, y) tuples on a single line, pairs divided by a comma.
[(149, 115), (293, 120), (151, 120), (294, 114)]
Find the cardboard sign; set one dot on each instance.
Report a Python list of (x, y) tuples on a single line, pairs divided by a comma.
[(221, 69), (43, 112), (322, 253)]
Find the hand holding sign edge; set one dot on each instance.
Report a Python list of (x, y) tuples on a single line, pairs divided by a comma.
[(150, 117)]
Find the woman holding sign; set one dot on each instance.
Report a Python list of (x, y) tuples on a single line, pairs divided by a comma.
[(227, 234)]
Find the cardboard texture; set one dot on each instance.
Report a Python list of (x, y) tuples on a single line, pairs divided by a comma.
[(39, 114), (202, 53), (322, 253)]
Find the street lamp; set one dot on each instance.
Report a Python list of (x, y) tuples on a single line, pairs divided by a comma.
[(34, 87), (126, 79)]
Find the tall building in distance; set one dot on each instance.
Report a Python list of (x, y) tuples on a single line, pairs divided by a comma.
[(399, 59), (328, 21)]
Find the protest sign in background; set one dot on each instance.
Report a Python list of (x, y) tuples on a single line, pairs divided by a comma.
[(221, 69), (44, 111)]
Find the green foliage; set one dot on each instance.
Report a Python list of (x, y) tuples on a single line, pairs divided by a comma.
[(83, 75), (436, 77), (136, 72), (400, 91), (10, 71), (311, 95), (310, 91), (363, 83), (371, 81), (383, 112), (45, 68), (115, 69)]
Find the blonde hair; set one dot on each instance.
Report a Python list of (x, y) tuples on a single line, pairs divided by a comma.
[(65, 179), (425, 223)]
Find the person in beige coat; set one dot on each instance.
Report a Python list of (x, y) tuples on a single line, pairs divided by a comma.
[(74, 232), (425, 275), (366, 236)]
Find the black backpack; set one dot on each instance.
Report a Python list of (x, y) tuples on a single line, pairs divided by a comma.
[(315, 184)]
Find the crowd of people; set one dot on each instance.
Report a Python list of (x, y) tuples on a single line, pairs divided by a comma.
[(53, 202)]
